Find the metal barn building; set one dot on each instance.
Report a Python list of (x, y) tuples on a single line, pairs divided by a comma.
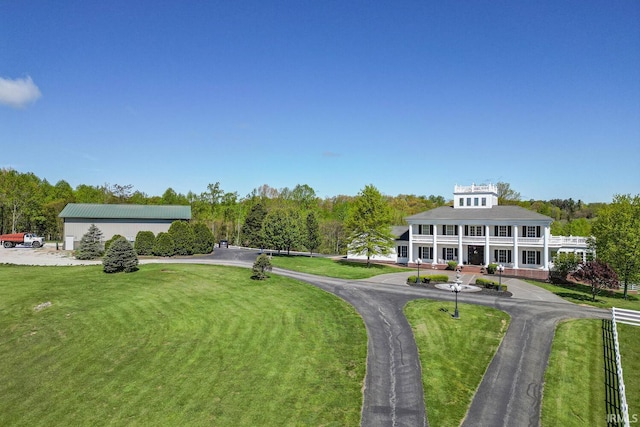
[(125, 220)]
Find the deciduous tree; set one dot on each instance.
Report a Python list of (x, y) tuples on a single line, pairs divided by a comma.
[(369, 224), (616, 237), (597, 274)]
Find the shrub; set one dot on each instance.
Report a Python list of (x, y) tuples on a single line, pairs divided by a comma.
[(489, 284), (452, 265), (564, 263), (120, 257), (260, 267), (491, 268), (203, 239), (144, 242), (441, 278), (437, 278), (164, 245), (110, 241), (183, 237), (90, 245)]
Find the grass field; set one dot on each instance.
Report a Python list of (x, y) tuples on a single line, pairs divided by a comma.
[(175, 345), (581, 294), (574, 391), (574, 380), (453, 359), (332, 268)]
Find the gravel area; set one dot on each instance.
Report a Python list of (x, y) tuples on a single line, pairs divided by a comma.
[(46, 255)]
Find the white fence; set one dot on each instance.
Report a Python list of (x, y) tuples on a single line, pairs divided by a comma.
[(629, 317)]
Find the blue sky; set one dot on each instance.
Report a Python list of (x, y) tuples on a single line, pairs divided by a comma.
[(410, 96)]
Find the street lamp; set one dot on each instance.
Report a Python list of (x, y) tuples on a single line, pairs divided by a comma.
[(418, 261), (500, 269), (456, 287)]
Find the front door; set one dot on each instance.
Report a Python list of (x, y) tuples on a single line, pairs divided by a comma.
[(476, 255)]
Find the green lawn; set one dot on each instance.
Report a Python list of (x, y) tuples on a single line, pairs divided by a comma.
[(332, 268), (175, 345), (574, 391), (574, 380), (581, 294), (453, 360)]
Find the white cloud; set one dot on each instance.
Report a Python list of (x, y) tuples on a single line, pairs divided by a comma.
[(18, 93)]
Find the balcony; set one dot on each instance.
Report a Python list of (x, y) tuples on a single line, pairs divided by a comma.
[(554, 241)]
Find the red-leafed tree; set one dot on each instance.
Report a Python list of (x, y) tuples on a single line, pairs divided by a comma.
[(599, 275)]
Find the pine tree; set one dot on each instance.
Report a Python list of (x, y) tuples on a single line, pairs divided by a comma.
[(252, 228), (120, 257), (260, 267), (90, 244)]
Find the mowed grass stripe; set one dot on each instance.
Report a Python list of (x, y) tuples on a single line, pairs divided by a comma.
[(169, 345), (454, 354)]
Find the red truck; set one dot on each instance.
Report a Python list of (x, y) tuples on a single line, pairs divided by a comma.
[(27, 239)]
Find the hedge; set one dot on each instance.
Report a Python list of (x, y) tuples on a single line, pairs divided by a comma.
[(432, 278)]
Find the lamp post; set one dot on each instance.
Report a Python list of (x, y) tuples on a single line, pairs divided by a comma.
[(456, 287), (418, 261), (500, 269)]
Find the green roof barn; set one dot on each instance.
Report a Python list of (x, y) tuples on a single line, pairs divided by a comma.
[(126, 220)]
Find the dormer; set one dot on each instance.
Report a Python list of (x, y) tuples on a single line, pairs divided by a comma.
[(475, 196)]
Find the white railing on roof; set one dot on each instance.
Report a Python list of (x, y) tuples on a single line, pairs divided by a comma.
[(567, 241), (475, 188)]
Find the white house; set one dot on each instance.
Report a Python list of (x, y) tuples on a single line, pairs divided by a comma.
[(477, 231)]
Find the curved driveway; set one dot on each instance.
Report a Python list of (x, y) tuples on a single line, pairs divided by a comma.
[(511, 391)]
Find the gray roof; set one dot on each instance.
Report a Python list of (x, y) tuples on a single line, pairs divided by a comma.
[(401, 232), (103, 211), (495, 213)]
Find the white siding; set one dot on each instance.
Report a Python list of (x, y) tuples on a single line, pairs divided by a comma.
[(127, 228)]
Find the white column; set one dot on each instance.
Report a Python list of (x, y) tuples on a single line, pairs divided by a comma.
[(514, 257), (487, 247), (435, 244), (460, 255), (545, 255), (410, 249)]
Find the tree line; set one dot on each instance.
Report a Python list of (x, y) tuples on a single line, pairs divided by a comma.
[(297, 219)]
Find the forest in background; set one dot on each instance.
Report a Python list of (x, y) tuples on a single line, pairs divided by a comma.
[(30, 203)]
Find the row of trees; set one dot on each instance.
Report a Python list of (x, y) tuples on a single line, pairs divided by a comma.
[(183, 238), (28, 203)]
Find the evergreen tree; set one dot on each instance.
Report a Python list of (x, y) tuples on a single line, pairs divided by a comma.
[(252, 227), (90, 244), (120, 257), (369, 225), (144, 242), (164, 245), (313, 233), (108, 243), (183, 237), (260, 267), (203, 243)]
